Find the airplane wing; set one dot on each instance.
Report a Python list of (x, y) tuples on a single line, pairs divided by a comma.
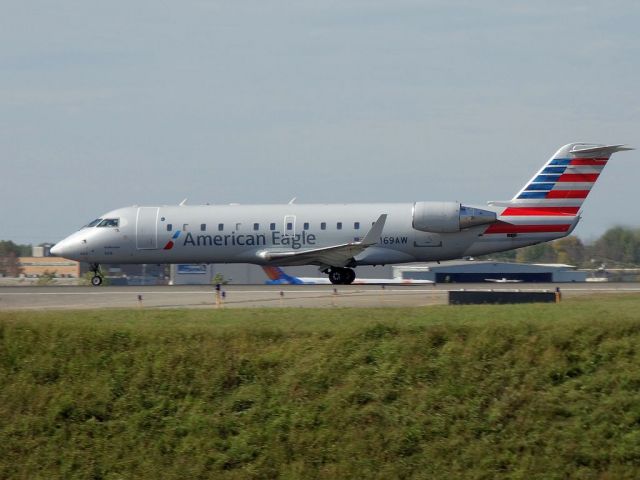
[(334, 256)]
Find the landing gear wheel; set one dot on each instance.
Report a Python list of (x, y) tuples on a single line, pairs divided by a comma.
[(351, 276), (335, 276), (342, 276), (96, 280)]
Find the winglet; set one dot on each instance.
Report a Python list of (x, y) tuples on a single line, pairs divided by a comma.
[(376, 230)]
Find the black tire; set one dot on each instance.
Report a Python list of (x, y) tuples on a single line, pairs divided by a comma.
[(336, 276), (96, 281), (349, 276), (342, 276)]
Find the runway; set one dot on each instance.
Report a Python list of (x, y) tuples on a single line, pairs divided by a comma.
[(258, 296)]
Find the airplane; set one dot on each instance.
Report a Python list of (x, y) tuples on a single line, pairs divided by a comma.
[(339, 237), (277, 276)]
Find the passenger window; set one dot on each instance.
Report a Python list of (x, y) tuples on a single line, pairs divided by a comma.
[(305, 226), (220, 227), (109, 222), (203, 227), (272, 226), (339, 225), (323, 226), (256, 226), (289, 226), (356, 225), (169, 227)]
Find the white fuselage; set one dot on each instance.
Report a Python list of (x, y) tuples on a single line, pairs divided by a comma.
[(242, 233)]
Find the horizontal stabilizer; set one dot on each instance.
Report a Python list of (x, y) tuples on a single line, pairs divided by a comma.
[(599, 150)]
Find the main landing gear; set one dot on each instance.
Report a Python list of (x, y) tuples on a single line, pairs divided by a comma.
[(341, 276), (96, 280)]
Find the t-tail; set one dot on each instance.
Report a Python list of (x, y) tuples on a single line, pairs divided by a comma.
[(548, 206)]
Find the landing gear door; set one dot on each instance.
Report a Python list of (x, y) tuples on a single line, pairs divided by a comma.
[(147, 228)]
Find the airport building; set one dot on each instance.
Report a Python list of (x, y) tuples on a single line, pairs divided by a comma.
[(40, 263), (58, 267), (191, 274), (486, 271)]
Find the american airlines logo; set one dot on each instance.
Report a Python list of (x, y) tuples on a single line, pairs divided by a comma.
[(170, 243)]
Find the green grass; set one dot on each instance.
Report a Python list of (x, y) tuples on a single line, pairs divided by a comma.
[(528, 391)]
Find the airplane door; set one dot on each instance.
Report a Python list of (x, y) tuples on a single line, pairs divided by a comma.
[(289, 227), (147, 228)]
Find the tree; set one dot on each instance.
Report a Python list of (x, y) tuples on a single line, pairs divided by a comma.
[(569, 250), (508, 256), (7, 247), (9, 253), (9, 265), (541, 253), (618, 245)]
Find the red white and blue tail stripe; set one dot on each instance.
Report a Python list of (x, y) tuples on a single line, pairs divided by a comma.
[(550, 202)]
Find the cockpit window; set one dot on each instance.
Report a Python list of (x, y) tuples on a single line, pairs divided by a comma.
[(94, 223), (109, 222)]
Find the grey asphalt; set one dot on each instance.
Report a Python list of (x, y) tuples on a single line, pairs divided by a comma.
[(238, 296)]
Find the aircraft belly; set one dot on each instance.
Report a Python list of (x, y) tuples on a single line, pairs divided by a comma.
[(381, 256), (433, 246), (487, 244)]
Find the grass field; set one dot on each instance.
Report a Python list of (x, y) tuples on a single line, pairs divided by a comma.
[(528, 391)]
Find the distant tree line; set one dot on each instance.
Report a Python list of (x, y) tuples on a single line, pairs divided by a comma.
[(617, 247)]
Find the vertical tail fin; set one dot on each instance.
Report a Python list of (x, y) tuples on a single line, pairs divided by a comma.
[(564, 182), (550, 202)]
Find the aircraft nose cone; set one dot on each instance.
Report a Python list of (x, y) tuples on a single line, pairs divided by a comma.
[(65, 248), (56, 250)]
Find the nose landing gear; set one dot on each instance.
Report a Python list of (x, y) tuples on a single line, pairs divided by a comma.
[(341, 276), (96, 280)]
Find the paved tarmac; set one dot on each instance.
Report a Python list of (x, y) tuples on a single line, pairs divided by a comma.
[(247, 296)]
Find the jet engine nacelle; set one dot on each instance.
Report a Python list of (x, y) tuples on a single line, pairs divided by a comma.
[(448, 217)]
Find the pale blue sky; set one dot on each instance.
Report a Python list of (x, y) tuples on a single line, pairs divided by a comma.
[(107, 104)]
